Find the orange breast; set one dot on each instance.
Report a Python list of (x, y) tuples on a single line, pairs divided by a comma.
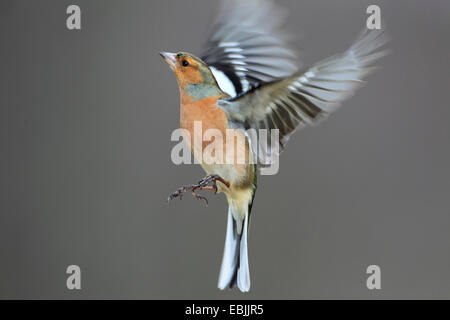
[(204, 111), (233, 164), (210, 116)]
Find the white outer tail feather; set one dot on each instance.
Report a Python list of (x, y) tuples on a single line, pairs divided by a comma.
[(243, 275), (230, 257), (235, 245)]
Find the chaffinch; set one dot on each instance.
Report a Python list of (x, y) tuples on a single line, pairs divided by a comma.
[(248, 78)]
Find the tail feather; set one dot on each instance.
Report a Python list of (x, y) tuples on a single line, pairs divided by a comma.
[(230, 254), (235, 268), (243, 274)]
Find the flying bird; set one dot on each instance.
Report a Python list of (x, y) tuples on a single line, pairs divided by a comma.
[(248, 77)]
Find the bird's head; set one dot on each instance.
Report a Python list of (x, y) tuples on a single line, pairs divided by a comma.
[(193, 75)]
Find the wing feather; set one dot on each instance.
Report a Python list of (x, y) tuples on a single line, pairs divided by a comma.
[(248, 47), (304, 98)]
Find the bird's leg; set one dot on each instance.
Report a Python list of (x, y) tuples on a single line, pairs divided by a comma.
[(201, 185), (213, 178)]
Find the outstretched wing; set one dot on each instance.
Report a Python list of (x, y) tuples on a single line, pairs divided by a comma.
[(305, 98), (247, 46)]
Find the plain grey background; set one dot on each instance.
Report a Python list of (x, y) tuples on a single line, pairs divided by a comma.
[(85, 123)]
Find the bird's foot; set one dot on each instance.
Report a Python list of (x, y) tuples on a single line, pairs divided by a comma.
[(201, 185)]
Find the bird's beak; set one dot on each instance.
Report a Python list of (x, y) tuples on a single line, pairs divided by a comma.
[(170, 58)]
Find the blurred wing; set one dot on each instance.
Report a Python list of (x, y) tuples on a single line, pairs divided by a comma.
[(247, 46), (303, 98)]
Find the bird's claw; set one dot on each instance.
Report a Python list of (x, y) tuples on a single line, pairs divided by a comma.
[(211, 178), (201, 185), (199, 197), (179, 193)]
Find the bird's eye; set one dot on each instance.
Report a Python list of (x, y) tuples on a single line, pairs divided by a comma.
[(184, 63)]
